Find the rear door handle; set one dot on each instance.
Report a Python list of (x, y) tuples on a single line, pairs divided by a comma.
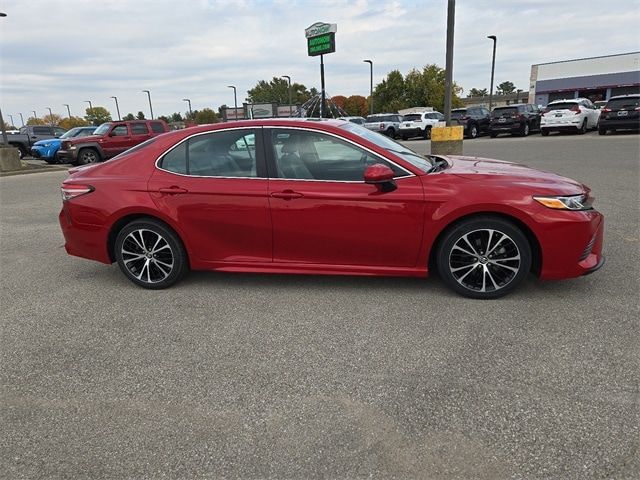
[(172, 190), (287, 195)]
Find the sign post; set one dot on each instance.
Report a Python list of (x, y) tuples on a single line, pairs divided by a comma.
[(321, 39)]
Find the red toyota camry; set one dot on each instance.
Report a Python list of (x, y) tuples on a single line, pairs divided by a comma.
[(326, 197)]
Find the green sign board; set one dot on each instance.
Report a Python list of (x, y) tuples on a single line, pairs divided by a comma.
[(321, 44)]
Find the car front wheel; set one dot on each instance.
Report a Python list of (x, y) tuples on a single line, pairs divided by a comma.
[(87, 156), (525, 130), (473, 131), (150, 254), (484, 258), (583, 128)]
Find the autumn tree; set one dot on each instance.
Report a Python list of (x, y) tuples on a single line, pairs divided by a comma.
[(72, 122), (339, 101), (52, 119), (35, 121), (356, 105)]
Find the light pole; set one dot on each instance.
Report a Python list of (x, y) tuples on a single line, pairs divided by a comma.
[(493, 67), (68, 109), (150, 107), (90, 109), (371, 83), (12, 124), (235, 101), (190, 111), (35, 115), (289, 80), (50, 116), (21, 119), (448, 82), (117, 107)]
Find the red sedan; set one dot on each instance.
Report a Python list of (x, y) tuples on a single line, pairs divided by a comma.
[(326, 197)]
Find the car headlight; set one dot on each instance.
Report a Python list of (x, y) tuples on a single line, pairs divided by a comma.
[(569, 202)]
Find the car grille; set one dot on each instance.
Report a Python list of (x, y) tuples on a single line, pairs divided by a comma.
[(587, 250)]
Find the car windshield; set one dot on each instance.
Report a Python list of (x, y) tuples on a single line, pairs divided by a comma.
[(504, 111), (423, 163), (411, 117), (624, 103), (561, 106), (74, 132), (102, 129)]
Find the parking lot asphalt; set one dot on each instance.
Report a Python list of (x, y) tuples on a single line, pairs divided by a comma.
[(273, 376)]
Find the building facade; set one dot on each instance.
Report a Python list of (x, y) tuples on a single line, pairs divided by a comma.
[(595, 78)]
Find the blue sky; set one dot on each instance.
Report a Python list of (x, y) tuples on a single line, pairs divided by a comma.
[(66, 51)]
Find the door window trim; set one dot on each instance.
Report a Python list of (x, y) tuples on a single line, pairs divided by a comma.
[(271, 160), (260, 156)]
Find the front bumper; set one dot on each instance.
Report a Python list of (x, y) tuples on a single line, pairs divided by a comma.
[(43, 153), (67, 156)]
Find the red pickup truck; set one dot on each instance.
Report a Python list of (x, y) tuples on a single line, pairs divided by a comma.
[(109, 140)]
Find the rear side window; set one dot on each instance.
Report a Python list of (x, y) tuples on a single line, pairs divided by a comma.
[(139, 129), (562, 106), (458, 113), (157, 127), (176, 160), (41, 131), (411, 117)]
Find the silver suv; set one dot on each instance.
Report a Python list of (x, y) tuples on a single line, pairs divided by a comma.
[(419, 124), (387, 123)]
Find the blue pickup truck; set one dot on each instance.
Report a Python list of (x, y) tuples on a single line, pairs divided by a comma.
[(47, 149)]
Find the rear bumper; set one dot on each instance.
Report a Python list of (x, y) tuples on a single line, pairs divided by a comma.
[(83, 239), (508, 128), (633, 123), (411, 132)]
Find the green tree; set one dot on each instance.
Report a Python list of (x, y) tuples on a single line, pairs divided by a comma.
[(35, 121), (176, 117), (129, 116), (277, 91), (477, 92), (140, 115), (73, 122), (206, 115), (505, 88), (389, 95), (97, 115), (356, 105)]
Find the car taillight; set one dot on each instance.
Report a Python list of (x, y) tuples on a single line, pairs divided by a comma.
[(382, 126), (575, 109), (637, 109), (607, 109), (70, 191)]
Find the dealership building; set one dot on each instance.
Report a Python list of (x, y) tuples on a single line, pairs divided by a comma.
[(596, 78)]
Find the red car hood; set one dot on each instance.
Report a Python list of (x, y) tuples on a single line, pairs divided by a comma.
[(499, 171), (89, 138)]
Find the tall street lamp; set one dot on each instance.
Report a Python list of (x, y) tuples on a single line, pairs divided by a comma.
[(35, 115), (150, 107), (235, 101), (289, 80), (21, 119), (190, 111), (50, 116), (68, 109), (371, 83), (117, 107), (493, 67), (12, 124), (90, 109)]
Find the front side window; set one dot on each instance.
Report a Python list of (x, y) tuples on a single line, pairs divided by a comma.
[(229, 153), (303, 155), (59, 131), (102, 129), (41, 131), (157, 127), (119, 131)]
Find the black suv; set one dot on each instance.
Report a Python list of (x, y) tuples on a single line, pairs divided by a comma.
[(475, 120), (519, 119), (620, 112)]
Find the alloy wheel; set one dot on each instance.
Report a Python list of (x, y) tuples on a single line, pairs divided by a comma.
[(147, 256), (484, 260)]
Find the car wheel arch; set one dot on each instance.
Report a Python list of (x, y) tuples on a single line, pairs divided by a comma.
[(536, 250), (123, 221)]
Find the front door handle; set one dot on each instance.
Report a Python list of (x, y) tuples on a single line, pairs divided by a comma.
[(173, 190), (287, 195)]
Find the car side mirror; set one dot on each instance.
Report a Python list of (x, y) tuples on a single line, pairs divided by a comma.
[(381, 176)]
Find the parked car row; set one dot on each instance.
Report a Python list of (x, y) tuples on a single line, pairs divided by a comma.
[(569, 115)]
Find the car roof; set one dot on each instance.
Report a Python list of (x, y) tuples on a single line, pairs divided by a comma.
[(630, 95)]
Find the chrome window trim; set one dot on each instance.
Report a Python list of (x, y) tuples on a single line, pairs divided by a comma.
[(281, 127)]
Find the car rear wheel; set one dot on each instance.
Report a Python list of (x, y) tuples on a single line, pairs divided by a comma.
[(21, 151), (583, 128), (427, 133), (602, 131), (484, 257), (391, 133), (544, 132), (525, 130), (87, 156), (473, 131), (150, 254), (493, 134)]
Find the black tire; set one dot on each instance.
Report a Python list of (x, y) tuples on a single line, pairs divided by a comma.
[(602, 131), (427, 133), (473, 131), (87, 156), (150, 254), (525, 130), (583, 128), (544, 132), (404, 137), (493, 134), (22, 152), (391, 133), (484, 257)]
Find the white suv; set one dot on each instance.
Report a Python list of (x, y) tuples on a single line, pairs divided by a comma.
[(573, 114), (386, 123), (419, 124)]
